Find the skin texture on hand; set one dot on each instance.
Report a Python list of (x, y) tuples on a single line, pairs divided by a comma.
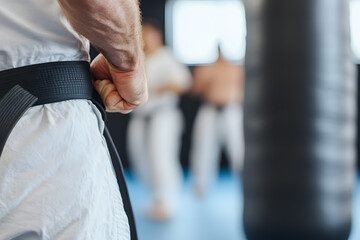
[(121, 91)]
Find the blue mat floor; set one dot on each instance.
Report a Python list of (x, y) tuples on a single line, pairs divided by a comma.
[(218, 216)]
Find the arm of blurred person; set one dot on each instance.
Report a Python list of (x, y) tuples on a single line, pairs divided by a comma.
[(172, 87), (178, 78), (114, 28)]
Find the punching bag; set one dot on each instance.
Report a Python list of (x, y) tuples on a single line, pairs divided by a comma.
[(299, 119)]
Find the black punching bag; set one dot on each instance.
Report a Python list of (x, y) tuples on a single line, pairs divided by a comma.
[(299, 117)]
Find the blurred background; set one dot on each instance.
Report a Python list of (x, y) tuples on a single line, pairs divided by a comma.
[(200, 36)]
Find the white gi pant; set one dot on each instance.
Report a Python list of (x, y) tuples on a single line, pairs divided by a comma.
[(213, 129), (154, 140), (56, 177)]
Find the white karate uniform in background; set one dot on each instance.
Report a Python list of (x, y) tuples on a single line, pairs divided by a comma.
[(154, 133), (56, 177), (215, 128)]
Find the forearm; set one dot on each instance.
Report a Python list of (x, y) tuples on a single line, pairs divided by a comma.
[(173, 88), (112, 26)]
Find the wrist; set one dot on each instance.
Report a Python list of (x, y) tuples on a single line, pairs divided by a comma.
[(127, 63)]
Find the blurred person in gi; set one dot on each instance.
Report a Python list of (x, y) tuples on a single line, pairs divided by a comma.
[(155, 129), (219, 122)]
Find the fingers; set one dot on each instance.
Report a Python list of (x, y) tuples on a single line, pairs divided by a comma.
[(99, 68), (112, 100), (120, 91)]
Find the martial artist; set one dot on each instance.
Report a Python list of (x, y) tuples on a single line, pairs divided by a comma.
[(154, 134), (219, 120), (56, 177)]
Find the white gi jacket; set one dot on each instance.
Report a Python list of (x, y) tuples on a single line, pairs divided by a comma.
[(56, 177)]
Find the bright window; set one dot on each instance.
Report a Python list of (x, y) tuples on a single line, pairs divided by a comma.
[(355, 27), (194, 28)]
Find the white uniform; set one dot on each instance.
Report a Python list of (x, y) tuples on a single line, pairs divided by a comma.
[(213, 129), (154, 133), (56, 177)]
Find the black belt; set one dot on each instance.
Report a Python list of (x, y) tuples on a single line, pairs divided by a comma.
[(23, 87)]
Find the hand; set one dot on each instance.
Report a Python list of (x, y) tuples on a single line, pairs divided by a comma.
[(121, 91)]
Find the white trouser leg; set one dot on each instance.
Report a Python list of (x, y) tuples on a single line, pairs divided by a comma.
[(165, 128), (137, 147), (205, 150), (232, 128)]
